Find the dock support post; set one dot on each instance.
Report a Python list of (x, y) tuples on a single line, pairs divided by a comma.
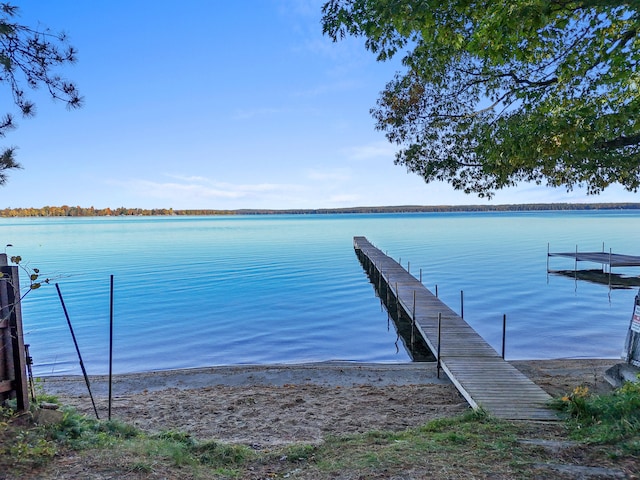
[(420, 275), (436, 290), (609, 269), (408, 267), (547, 257), (462, 304), (438, 359), (504, 333), (413, 320), (397, 302)]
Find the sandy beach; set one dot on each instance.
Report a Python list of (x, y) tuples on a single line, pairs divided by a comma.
[(271, 405)]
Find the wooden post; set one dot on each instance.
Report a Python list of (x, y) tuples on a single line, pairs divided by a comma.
[(461, 304), (420, 275), (436, 290), (408, 267), (14, 377)]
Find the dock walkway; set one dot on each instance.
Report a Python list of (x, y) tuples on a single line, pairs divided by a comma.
[(482, 376)]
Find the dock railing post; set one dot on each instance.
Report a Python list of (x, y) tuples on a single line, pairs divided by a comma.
[(436, 290), (438, 352), (420, 275), (462, 304), (408, 267), (504, 333)]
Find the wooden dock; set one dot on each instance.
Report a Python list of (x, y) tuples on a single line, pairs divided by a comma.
[(482, 376)]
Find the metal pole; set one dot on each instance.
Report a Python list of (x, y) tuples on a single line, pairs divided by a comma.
[(436, 290), (408, 267), (504, 332), (413, 319), (73, 336), (29, 360), (420, 275), (609, 269), (547, 257), (397, 302), (438, 359), (461, 304), (110, 343)]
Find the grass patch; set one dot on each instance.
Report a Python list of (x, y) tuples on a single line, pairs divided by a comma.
[(613, 418), (473, 445)]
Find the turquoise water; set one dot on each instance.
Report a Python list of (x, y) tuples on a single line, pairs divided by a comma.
[(199, 291)]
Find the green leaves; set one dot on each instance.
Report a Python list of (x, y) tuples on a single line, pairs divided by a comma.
[(28, 59), (495, 93)]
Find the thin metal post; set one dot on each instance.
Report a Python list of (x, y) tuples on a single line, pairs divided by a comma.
[(436, 290), (408, 267), (547, 257), (504, 333), (461, 304), (438, 352), (609, 269), (73, 336), (397, 302), (413, 319), (110, 344), (420, 275), (29, 361)]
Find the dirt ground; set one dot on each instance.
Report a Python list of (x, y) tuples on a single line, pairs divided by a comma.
[(264, 406)]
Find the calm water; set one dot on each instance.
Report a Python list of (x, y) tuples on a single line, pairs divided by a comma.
[(199, 291)]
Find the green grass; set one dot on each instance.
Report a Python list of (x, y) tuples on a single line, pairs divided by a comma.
[(605, 419), (473, 445)]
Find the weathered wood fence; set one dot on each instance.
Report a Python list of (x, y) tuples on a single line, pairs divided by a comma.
[(13, 377)]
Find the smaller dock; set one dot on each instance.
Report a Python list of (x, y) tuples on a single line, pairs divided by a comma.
[(603, 258), (482, 376), (604, 275)]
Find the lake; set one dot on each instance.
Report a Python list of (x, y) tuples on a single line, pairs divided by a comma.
[(218, 290)]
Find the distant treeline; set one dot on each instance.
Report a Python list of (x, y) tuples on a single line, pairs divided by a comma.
[(66, 211)]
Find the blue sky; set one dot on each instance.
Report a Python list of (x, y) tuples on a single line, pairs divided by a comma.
[(221, 105)]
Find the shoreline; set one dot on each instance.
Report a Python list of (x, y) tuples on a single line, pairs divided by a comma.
[(267, 405), (328, 374)]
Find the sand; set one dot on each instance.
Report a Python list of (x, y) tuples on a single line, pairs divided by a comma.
[(264, 406)]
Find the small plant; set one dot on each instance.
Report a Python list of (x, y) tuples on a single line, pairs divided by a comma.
[(575, 404), (610, 418)]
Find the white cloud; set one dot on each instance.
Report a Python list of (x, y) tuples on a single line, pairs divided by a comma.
[(197, 187), (380, 149), (333, 175)]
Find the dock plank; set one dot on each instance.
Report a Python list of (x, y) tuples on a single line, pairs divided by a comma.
[(482, 376)]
